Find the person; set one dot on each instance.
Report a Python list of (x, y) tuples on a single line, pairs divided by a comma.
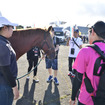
[(85, 63), (32, 56), (75, 44), (8, 65), (52, 64)]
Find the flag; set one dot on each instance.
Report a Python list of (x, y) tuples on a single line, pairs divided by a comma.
[(71, 31)]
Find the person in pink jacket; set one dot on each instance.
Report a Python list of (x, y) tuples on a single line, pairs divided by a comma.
[(85, 62)]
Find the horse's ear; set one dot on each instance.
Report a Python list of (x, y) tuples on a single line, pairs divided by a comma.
[(50, 28)]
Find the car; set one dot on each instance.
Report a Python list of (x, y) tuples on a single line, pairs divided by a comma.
[(58, 31)]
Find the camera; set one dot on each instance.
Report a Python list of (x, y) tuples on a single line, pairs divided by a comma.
[(72, 50)]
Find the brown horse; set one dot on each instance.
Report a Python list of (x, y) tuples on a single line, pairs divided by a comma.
[(23, 40)]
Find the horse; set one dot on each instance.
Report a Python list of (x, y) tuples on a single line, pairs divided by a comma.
[(23, 40)]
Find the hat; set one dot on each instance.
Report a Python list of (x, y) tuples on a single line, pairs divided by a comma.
[(4, 21), (76, 30), (99, 28)]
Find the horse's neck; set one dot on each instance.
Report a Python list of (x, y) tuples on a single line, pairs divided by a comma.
[(23, 43)]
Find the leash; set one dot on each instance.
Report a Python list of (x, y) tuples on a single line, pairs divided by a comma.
[(26, 74)]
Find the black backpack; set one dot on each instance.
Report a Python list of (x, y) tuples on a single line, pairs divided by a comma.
[(100, 93)]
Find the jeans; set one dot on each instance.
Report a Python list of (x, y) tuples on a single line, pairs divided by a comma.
[(6, 95), (51, 63)]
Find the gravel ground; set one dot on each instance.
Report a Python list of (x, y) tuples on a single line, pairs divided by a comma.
[(44, 93)]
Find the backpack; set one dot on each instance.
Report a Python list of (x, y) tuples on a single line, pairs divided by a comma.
[(99, 99)]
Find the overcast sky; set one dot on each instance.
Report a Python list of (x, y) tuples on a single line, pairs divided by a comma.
[(41, 12)]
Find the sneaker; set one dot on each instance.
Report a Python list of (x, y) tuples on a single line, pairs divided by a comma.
[(28, 77), (50, 78), (56, 81), (35, 79), (71, 74)]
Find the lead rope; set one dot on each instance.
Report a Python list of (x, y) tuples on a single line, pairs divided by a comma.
[(26, 74)]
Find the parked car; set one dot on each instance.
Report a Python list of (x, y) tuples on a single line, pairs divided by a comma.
[(58, 31)]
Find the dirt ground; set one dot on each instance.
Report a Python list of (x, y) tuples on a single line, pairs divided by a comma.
[(44, 93)]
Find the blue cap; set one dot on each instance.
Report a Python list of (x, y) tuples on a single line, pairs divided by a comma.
[(76, 30)]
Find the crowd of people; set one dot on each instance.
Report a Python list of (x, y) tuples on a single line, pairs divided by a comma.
[(82, 59)]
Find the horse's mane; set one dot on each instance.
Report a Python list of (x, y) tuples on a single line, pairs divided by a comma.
[(29, 31)]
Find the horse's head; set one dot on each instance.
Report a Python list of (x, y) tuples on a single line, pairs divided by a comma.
[(47, 45)]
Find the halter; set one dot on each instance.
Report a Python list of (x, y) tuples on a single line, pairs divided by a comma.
[(45, 42)]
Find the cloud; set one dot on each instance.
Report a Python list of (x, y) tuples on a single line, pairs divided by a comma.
[(92, 8)]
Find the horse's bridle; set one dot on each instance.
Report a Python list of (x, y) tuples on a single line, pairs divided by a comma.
[(45, 42)]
